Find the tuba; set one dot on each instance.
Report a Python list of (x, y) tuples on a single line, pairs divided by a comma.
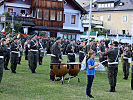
[(20, 35)]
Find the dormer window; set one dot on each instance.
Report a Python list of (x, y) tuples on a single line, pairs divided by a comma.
[(94, 5), (106, 5), (121, 4)]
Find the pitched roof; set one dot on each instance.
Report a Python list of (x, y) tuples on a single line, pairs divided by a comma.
[(105, 1), (127, 5), (79, 6)]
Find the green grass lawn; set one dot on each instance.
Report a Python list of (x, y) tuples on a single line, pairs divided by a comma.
[(27, 86)]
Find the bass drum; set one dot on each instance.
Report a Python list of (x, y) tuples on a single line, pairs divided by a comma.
[(74, 68), (60, 69)]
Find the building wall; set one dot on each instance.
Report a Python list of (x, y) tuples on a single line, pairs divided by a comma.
[(28, 2), (69, 10), (17, 10), (116, 23), (1, 9)]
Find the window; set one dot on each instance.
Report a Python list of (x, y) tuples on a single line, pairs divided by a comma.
[(10, 10), (59, 15), (39, 14), (73, 19), (125, 18), (64, 18), (52, 15), (102, 5), (123, 32), (106, 5), (46, 14), (101, 18), (112, 4), (99, 5), (109, 17)]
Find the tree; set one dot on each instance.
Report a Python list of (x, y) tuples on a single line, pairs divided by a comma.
[(17, 27), (104, 32)]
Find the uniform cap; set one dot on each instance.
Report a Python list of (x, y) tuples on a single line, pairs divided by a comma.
[(90, 40), (71, 39), (15, 38), (6, 33), (82, 41), (115, 43), (57, 38), (33, 35), (40, 37), (111, 43), (1, 37)]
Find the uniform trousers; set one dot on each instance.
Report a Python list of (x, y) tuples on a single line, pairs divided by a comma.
[(1, 68), (126, 67), (112, 74), (33, 56), (14, 61)]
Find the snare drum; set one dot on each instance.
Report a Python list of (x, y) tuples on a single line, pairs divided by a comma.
[(74, 68), (60, 69)]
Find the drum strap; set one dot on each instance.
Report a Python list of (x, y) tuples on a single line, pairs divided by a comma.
[(41, 45)]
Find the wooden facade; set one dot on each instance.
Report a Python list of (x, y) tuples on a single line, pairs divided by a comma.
[(48, 8)]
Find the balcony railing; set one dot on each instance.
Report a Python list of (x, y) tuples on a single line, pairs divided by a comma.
[(97, 22), (18, 19)]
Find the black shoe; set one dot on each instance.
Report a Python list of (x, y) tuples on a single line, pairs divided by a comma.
[(125, 78), (40, 63), (132, 88), (33, 71), (13, 71), (89, 96), (111, 90), (7, 69)]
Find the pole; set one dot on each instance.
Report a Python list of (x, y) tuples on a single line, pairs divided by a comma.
[(132, 64), (12, 24), (90, 20), (35, 11)]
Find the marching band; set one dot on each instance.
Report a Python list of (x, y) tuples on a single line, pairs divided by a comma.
[(12, 47)]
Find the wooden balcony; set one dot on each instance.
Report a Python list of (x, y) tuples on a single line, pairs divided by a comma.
[(18, 19)]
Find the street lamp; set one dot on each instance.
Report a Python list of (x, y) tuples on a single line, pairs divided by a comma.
[(90, 20)]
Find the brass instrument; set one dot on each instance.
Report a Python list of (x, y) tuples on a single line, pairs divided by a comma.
[(20, 35)]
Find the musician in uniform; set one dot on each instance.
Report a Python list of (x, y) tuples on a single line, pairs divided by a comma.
[(14, 54), (91, 46), (33, 53), (70, 51), (132, 70), (126, 64), (26, 48), (81, 51), (56, 56), (7, 55), (2, 50), (103, 58), (40, 47), (113, 59), (21, 51), (110, 46)]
